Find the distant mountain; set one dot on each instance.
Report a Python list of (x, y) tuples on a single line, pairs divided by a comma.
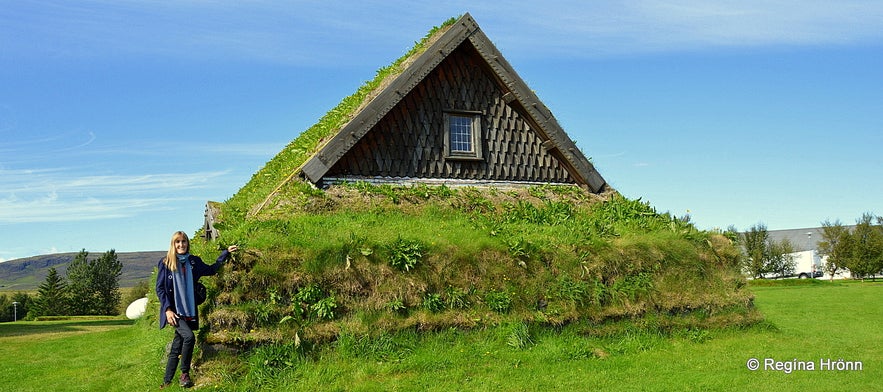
[(27, 274)]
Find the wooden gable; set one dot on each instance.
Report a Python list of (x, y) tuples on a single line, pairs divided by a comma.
[(401, 133)]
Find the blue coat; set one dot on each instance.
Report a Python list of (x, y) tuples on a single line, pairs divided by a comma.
[(165, 289)]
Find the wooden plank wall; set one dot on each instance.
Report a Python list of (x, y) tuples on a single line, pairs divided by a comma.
[(212, 209), (409, 140)]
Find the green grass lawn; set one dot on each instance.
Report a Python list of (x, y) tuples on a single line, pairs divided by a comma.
[(804, 323), (78, 355)]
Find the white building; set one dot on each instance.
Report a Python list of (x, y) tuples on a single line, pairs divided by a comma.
[(807, 261)]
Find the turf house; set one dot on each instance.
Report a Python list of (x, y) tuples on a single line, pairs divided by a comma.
[(444, 194)]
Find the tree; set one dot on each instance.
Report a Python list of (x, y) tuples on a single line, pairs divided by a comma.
[(18, 311), (754, 243), (79, 277), (51, 299), (106, 283), (25, 302), (780, 260), (833, 245), (763, 255), (865, 247), (94, 285), (6, 309)]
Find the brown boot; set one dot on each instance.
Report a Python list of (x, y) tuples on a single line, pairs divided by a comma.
[(185, 380)]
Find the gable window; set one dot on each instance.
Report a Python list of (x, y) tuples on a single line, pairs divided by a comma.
[(463, 135)]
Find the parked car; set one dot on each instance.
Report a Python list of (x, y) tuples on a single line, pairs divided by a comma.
[(815, 273)]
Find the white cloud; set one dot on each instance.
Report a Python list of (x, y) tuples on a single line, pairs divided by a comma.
[(590, 29), (38, 184), (57, 196), (765, 22), (324, 32)]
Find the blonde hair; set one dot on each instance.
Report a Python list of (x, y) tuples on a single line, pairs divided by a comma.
[(171, 259)]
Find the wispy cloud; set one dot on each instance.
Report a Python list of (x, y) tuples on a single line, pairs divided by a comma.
[(34, 150), (591, 29), (75, 176), (54, 180), (320, 32), (765, 22), (55, 195)]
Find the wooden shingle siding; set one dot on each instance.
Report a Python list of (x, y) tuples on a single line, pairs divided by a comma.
[(409, 140)]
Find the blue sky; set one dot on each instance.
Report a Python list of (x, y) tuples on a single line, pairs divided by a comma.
[(119, 119)]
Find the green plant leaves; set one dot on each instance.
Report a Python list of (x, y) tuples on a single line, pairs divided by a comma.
[(405, 254)]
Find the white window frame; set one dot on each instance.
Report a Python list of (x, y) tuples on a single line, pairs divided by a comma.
[(474, 138)]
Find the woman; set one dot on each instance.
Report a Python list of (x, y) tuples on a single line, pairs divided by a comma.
[(178, 273)]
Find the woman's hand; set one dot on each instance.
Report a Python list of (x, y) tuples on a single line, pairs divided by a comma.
[(232, 248), (172, 317)]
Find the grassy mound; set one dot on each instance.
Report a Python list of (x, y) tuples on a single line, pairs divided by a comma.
[(365, 259)]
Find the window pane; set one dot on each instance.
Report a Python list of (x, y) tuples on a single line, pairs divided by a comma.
[(461, 133)]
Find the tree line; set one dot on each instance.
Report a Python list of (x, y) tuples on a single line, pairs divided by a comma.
[(90, 287), (858, 250)]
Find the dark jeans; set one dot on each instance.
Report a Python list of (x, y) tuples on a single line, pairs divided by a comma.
[(182, 346)]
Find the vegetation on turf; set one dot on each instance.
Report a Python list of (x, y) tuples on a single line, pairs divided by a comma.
[(384, 259)]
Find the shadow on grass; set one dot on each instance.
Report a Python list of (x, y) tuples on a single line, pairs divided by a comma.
[(24, 328), (790, 282)]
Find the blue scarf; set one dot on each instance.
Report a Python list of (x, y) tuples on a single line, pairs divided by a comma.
[(185, 303)]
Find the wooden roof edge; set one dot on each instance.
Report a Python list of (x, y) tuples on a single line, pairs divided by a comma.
[(539, 114)]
